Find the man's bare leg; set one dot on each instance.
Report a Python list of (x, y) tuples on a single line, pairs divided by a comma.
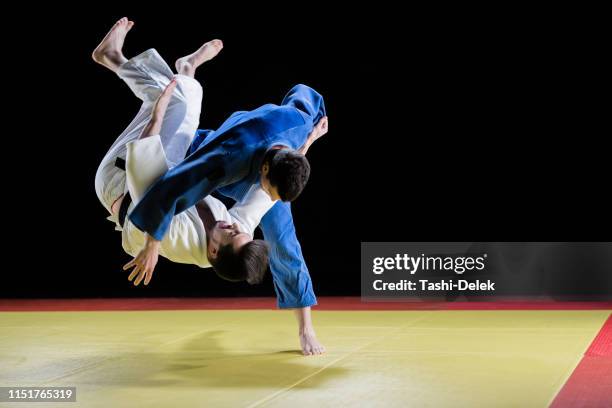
[(109, 52), (308, 339), (188, 64)]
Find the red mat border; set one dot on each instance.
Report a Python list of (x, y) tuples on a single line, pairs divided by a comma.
[(590, 385), (265, 303)]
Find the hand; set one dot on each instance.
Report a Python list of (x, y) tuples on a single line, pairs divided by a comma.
[(144, 263), (308, 339), (320, 129), (159, 109)]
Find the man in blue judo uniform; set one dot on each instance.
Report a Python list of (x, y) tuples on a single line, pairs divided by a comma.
[(240, 153)]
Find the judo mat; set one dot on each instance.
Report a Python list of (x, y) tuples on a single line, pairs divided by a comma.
[(244, 353)]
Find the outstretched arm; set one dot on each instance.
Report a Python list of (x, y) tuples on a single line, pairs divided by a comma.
[(291, 278)]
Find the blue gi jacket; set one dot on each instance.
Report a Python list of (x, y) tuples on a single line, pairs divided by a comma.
[(229, 160)]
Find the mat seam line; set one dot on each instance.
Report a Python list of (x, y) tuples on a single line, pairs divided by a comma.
[(284, 390)]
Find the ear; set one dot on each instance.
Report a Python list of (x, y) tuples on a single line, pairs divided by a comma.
[(212, 250), (265, 168)]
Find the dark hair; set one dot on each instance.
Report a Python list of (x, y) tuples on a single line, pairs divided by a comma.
[(249, 263), (289, 172)]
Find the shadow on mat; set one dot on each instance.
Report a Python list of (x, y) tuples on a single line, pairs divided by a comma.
[(203, 362)]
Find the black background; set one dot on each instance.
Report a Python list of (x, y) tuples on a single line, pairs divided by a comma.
[(445, 125)]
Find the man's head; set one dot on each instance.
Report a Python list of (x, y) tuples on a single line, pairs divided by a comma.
[(235, 256), (284, 174)]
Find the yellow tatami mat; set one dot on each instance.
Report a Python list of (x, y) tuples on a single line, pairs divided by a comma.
[(250, 358)]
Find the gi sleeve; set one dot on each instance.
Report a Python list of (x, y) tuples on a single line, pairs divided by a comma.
[(200, 137), (180, 188), (307, 100), (250, 210), (291, 278)]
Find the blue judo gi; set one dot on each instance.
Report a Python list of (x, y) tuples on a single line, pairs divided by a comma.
[(228, 160)]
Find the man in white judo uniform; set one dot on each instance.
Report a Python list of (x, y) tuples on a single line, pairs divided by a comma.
[(156, 140)]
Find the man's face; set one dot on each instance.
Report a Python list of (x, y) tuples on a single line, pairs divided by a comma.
[(223, 234), (266, 185)]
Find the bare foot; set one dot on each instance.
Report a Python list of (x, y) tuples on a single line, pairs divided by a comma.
[(310, 344), (108, 52), (189, 63)]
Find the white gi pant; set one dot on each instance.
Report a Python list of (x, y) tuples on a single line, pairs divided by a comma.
[(147, 159)]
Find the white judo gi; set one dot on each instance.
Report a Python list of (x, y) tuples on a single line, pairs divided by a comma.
[(147, 159)]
